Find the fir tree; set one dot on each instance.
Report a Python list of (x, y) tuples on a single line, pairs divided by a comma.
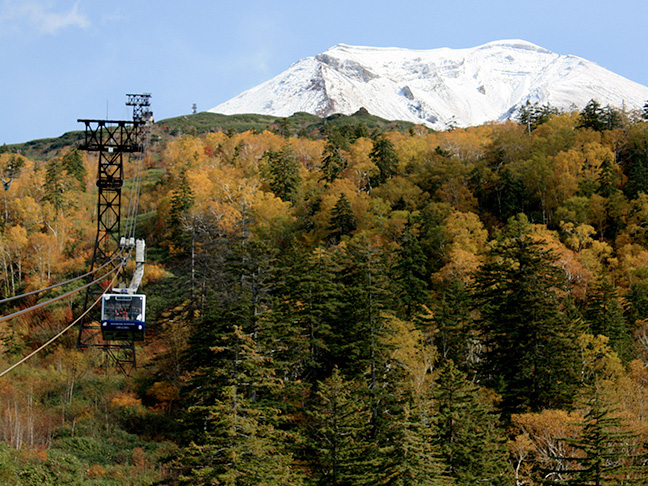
[(283, 173), (72, 162), (633, 157), (62, 175), (409, 273), (454, 333), (607, 453), (412, 458), (636, 301), (593, 117), (534, 115), (182, 200), (339, 424), (334, 161), (384, 156), (238, 440), (529, 355), (306, 306), (466, 432), (343, 221), (366, 297), (604, 315)]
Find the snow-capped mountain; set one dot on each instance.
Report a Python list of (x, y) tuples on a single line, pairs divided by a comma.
[(438, 87)]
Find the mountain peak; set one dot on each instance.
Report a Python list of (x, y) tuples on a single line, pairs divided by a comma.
[(515, 44), (437, 87)]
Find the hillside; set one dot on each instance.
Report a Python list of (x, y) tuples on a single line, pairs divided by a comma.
[(365, 303), (303, 124)]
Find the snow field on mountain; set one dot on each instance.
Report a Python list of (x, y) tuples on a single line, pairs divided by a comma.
[(438, 87)]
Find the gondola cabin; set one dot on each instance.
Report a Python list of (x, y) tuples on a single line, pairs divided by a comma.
[(123, 317)]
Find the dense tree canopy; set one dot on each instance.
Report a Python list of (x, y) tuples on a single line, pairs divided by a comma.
[(346, 307)]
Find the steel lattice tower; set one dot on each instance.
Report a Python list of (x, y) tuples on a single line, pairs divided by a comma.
[(111, 140)]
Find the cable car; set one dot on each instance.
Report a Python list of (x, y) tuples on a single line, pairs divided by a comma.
[(123, 317)]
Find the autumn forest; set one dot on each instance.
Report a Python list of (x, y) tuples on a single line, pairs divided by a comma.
[(344, 305)]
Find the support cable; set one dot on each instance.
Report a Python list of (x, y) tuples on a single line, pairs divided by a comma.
[(137, 198), (70, 326), (47, 302), (27, 294), (133, 202)]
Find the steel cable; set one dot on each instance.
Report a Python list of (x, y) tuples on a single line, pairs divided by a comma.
[(47, 302), (27, 294), (71, 325)]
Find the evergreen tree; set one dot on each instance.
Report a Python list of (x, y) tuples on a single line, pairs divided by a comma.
[(529, 355), (72, 163), (604, 315), (334, 161), (339, 422), (306, 306), (384, 156), (343, 221), (592, 116), (409, 273), (633, 157), (454, 334), (62, 175), (598, 118), (607, 453), (182, 199), (412, 458), (237, 440), (636, 301), (466, 432), (283, 173), (283, 127), (534, 115), (366, 297)]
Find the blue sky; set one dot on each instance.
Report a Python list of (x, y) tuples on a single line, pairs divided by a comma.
[(67, 59)]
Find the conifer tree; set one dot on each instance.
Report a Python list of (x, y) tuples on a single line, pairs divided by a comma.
[(592, 116), (409, 273), (339, 421), (636, 301), (411, 458), (182, 200), (454, 334), (237, 440), (342, 220), (72, 162), (529, 355), (604, 315), (306, 306), (607, 452), (384, 156), (365, 298), (334, 160), (283, 173), (534, 115), (466, 432), (62, 175)]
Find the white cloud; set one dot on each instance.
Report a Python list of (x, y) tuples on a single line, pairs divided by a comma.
[(43, 18)]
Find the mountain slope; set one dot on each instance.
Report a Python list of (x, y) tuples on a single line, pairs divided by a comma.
[(438, 87)]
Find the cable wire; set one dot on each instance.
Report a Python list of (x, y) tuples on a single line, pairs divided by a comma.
[(133, 202), (27, 294), (47, 302), (57, 336)]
